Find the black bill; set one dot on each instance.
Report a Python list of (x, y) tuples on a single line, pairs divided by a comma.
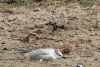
[(64, 57)]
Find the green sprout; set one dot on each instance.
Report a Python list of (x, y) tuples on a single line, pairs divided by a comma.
[(95, 25)]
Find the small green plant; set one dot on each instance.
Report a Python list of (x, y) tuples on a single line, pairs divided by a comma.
[(51, 3), (17, 4), (67, 2), (87, 4), (44, 0), (95, 25), (0, 5), (29, 4)]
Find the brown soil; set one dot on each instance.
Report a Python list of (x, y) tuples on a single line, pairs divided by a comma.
[(67, 29)]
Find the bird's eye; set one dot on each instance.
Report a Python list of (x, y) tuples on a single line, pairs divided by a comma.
[(59, 55)]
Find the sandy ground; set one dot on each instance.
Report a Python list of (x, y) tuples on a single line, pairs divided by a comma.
[(67, 29)]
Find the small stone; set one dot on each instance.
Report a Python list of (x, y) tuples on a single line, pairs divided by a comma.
[(36, 10), (96, 59), (2, 42), (99, 48), (5, 49)]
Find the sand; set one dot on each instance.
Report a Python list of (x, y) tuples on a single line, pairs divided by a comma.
[(68, 29)]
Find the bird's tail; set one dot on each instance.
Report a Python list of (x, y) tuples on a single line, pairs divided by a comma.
[(20, 52)]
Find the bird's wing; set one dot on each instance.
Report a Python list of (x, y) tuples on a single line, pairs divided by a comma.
[(36, 52), (36, 55), (28, 51)]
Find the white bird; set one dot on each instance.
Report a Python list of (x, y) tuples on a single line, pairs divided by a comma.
[(42, 54), (78, 65)]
